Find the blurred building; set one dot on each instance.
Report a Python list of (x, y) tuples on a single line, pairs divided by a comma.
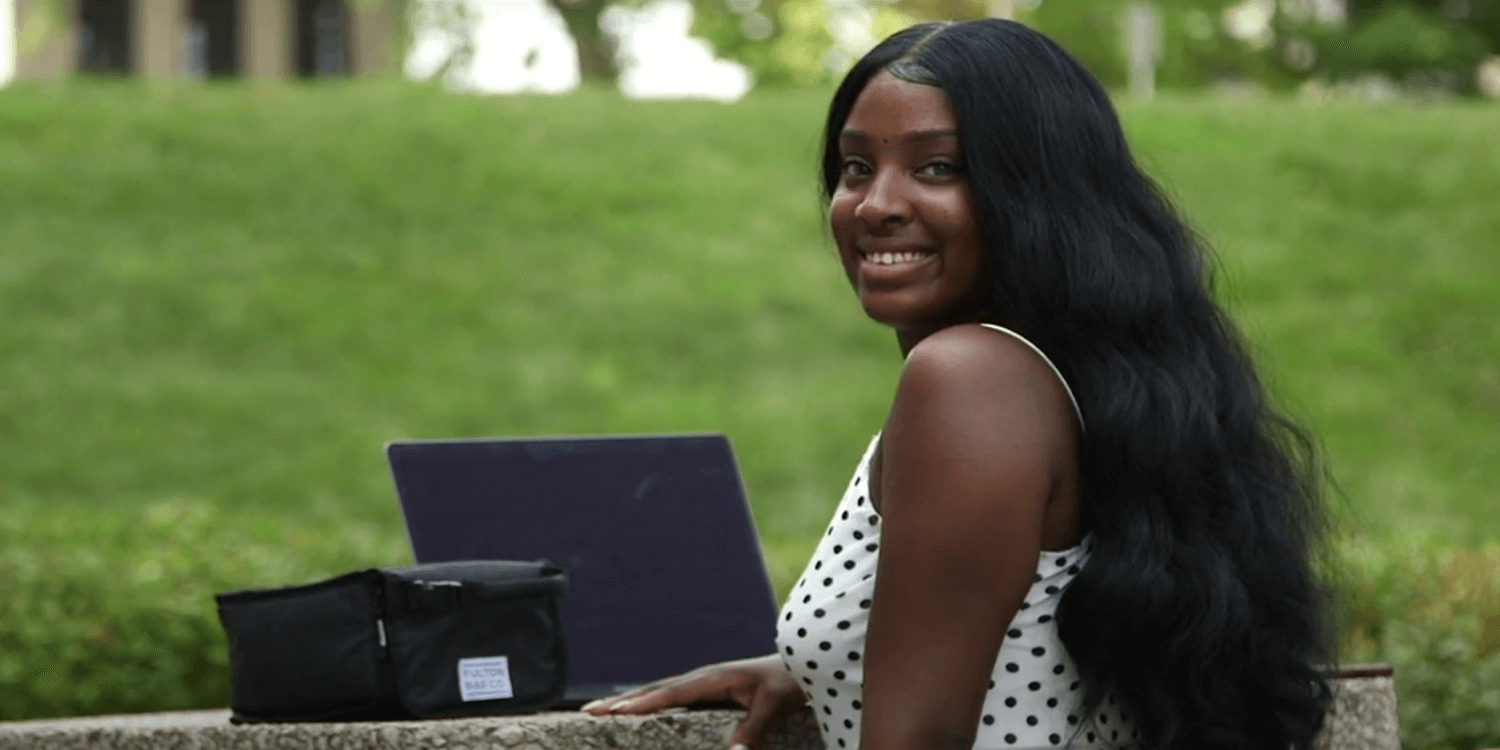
[(193, 38)]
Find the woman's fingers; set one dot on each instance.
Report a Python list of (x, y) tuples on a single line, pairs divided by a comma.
[(758, 715), (614, 703), (678, 691), (606, 705), (600, 706), (603, 705), (609, 704), (683, 693)]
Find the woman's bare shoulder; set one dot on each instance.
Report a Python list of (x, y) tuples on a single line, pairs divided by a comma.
[(976, 370)]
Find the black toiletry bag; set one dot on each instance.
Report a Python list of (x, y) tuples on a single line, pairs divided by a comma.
[(442, 639)]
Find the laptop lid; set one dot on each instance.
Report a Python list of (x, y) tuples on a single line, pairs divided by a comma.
[(665, 569)]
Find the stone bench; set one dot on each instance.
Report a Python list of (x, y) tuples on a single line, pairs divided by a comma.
[(1364, 718)]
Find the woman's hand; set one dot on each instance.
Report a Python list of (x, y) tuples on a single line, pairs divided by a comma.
[(761, 685)]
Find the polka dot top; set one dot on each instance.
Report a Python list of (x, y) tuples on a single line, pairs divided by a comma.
[(1034, 694)]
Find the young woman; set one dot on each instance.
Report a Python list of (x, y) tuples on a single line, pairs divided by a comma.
[(1082, 523)]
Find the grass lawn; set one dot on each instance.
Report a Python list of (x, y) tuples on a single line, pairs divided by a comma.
[(219, 302)]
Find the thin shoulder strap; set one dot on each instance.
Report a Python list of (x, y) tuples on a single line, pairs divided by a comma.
[(1055, 371)]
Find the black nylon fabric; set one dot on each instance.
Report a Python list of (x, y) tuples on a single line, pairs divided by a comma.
[(426, 648), (388, 643)]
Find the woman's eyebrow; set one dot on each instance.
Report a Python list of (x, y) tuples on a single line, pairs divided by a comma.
[(919, 135)]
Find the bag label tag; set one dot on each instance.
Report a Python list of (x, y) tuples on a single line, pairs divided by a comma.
[(484, 679)]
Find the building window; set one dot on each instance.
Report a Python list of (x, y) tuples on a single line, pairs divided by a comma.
[(322, 38), (104, 36), (211, 46)]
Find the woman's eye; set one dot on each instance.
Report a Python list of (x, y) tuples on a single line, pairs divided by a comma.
[(853, 168), (942, 168)]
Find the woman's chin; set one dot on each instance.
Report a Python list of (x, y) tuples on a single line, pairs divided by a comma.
[(895, 313)]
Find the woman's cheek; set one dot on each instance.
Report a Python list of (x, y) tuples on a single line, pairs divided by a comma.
[(840, 211), (952, 215), (841, 224)]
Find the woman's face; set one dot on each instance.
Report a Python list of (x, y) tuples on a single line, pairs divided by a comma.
[(902, 214)]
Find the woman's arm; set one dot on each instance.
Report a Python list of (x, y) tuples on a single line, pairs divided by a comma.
[(978, 431)]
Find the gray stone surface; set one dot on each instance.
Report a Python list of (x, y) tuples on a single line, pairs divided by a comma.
[(1364, 718), (211, 730)]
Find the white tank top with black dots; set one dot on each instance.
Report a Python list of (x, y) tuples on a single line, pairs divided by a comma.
[(1034, 695)]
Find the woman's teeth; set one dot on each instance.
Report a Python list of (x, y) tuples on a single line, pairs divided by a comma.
[(890, 259)]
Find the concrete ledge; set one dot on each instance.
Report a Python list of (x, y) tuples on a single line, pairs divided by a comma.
[(1364, 718), (211, 730)]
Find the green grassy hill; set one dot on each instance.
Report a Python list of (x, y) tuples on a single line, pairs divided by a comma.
[(218, 302)]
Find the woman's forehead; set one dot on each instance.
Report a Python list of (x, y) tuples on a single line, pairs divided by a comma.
[(889, 107)]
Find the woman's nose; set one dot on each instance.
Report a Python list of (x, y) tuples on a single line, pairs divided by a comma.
[(885, 202)]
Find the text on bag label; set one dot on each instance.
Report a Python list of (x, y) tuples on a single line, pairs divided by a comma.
[(484, 679)]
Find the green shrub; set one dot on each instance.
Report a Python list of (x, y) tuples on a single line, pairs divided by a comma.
[(1433, 611), (112, 612)]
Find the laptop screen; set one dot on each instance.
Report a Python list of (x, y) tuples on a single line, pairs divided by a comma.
[(665, 570)]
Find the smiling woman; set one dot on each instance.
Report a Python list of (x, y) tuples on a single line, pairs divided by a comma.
[(1082, 524), (902, 213)]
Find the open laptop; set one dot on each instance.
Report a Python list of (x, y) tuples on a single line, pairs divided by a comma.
[(665, 569)]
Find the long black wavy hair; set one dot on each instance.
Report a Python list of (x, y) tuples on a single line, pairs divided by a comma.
[(1199, 610)]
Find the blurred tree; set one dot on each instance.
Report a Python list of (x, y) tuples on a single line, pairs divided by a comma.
[(1091, 31), (785, 41), (781, 41), (1194, 46), (793, 41), (1198, 48), (1434, 43), (945, 10), (596, 48), (1482, 17), (1423, 42), (456, 21)]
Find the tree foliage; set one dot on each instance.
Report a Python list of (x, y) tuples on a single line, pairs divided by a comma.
[(1417, 43), (456, 22), (1438, 41), (596, 49), (780, 41), (804, 42)]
